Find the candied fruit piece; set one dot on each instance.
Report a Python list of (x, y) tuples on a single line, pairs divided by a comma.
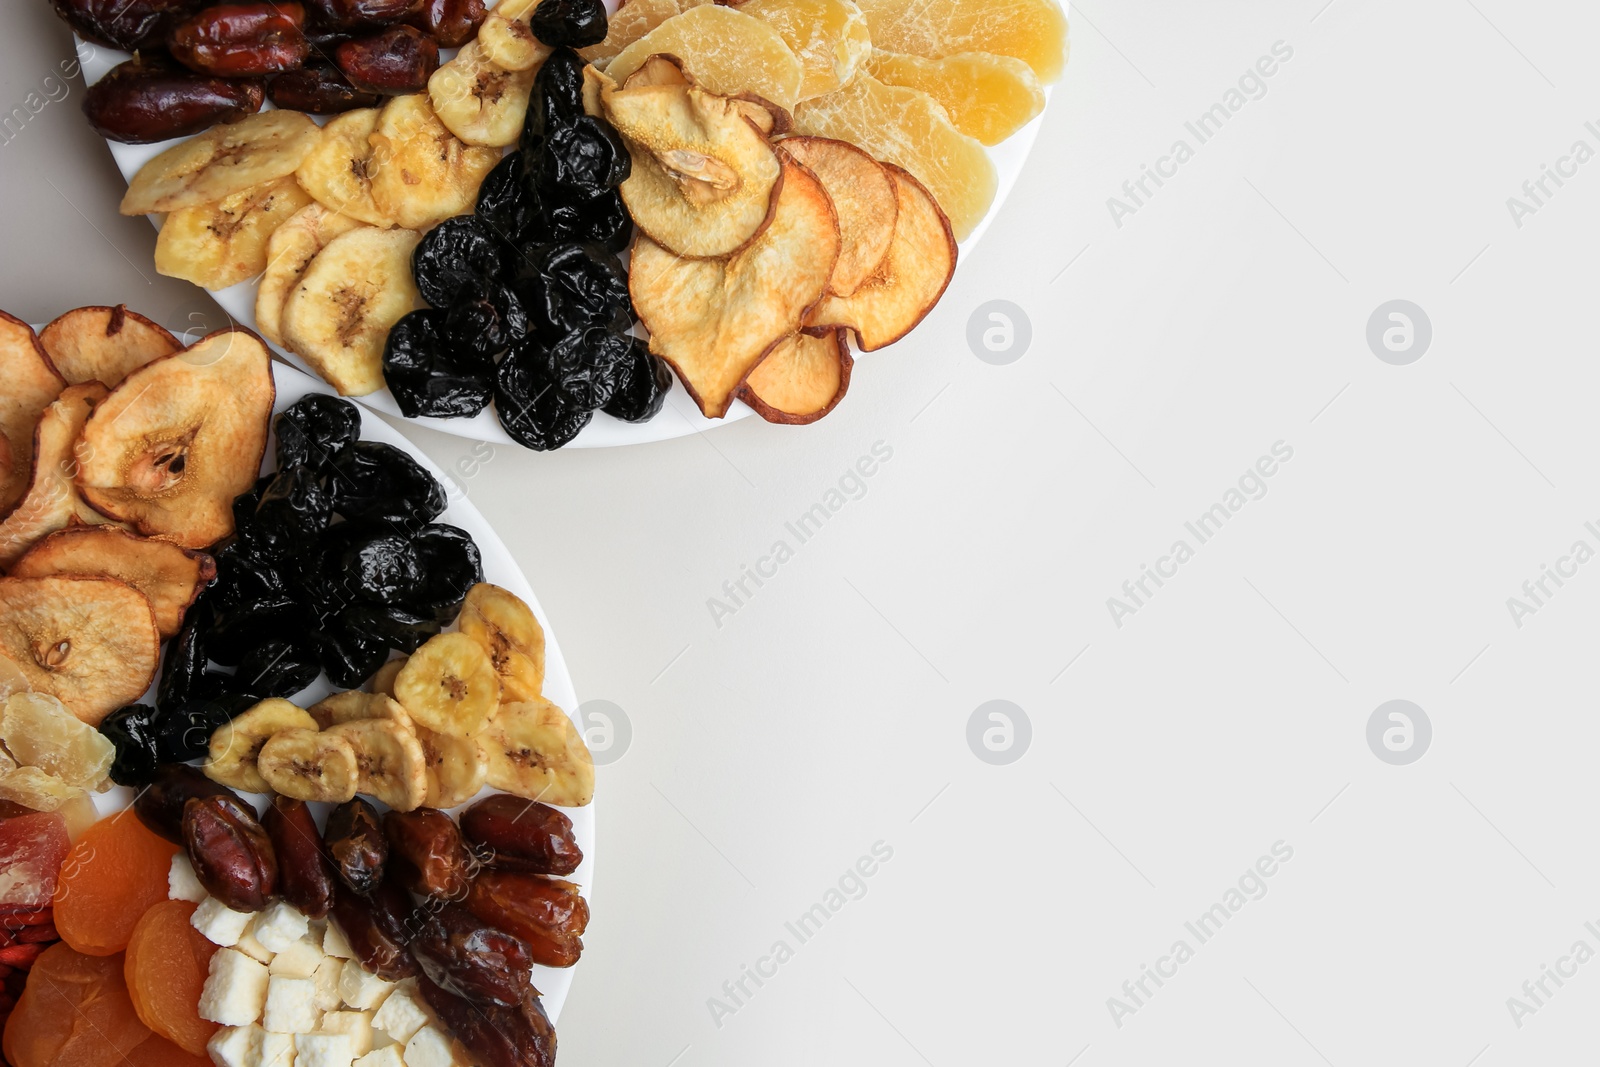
[(166, 968), (74, 1012), (907, 127), (987, 97), (40, 732), (726, 52), (829, 37), (1034, 31), (32, 849), (159, 1052), (631, 21), (115, 872)]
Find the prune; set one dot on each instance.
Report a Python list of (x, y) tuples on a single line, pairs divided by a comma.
[(590, 365), (242, 40), (451, 566), (184, 665), (534, 410), (423, 374), (305, 877), (184, 733), (556, 100), (318, 89), (133, 731), (643, 389), (231, 853), (356, 845), (485, 320), (315, 431), (569, 23), (347, 14), (465, 956), (450, 22), (378, 928), (350, 655), (277, 667), (127, 25), (150, 99), (545, 913), (566, 287), (251, 601), (603, 220), (295, 506), (522, 835), (393, 61), (426, 853), (389, 626), (377, 482), (585, 158), (456, 253), (509, 207), (160, 806), (496, 1036)]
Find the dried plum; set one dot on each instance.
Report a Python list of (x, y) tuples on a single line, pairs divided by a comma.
[(251, 601), (295, 506), (603, 220), (133, 731), (454, 254), (389, 626), (424, 375), (566, 287), (277, 667), (569, 23), (184, 733), (315, 430), (349, 654), (590, 365), (508, 205), (485, 320), (378, 482), (646, 380), (585, 158), (183, 666), (556, 100), (533, 408), (451, 566)]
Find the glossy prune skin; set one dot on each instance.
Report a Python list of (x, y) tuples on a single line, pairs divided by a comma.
[(152, 99), (533, 408), (451, 566), (231, 853), (522, 835), (319, 89), (132, 730), (567, 287), (585, 158), (377, 482), (242, 40), (126, 25), (427, 854), (460, 953), (452, 23), (455, 254), (315, 431), (183, 665), (485, 319), (354, 841), (160, 806), (378, 928), (644, 385), (569, 23), (545, 913), (349, 14), (184, 733), (277, 667), (295, 506), (391, 62), (590, 365), (496, 1036), (390, 626), (350, 655), (252, 601), (305, 878), (508, 206), (602, 220), (556, 100)]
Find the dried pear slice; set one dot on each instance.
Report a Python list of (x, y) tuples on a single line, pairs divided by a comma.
[(725, 51), (101, 344), (714, 319), (31, 383), (801, 380), (290, 251), (987, 97), (704, 180), (53, 501), (339, 169), (1034, 31), (829, 37), (89, 642), (218, 245), (222, 161), (172, 445), (909, 281), (39, 731), (631, 21), (480, 101), (170, 577), (864, 198), (424, 174)]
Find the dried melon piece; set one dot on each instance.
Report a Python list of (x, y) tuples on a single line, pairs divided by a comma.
[(725, 51), (907, 127), (800, 380), (829, 37), (170, 577), (31, 383), (53, 501), (1034, 31), (633, 20), (864, 198), (988, 97), (101, 344), (39, 731)]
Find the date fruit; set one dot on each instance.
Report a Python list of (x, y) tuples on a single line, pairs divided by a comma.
[(305, 877), (546, 913), (355, 842), (231, 853), (452, 23), (153, 99), (462, 954), (395, 61), (128, 25), (348, 14), (522, 835), (378, 928), (427, 854), (497, 1037), (318, 89), (242, 40), (160, 805)]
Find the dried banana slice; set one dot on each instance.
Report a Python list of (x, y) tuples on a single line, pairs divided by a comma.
[(449, 686), (504, 625), (236, 746), (310, 765), (221, 244), (290, 251), (480, 101), (222, 161), (534, 751), (455, 766), (390, 764), (509, 44), (39, 731), (383, 681), (424, 173), (341, 708), (338, 171)]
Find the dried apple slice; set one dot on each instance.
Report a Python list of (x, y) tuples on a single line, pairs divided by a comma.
[(909, 281), (713, 319), (89, 642), (172, 445), (725, 50), (801, 380), (31, 383), (864, 198), (53, 501), (101, 344), (170, 577)]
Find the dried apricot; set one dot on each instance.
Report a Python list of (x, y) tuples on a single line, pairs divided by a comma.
[(159, 1052), (115, 872), (74, 1012), (32, 849), (167, 964)]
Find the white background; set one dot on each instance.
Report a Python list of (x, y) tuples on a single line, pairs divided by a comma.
[(830, 711)]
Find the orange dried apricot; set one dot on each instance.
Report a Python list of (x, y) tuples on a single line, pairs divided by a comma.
[(159, 1052), (74, 1012), (167, 964), (115, 872)]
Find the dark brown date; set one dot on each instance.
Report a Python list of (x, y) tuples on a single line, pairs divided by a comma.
[(231, 853), (348, 14), (471, 959), (160, 805), (305, 877), (128, 25), (522, 835), (242, 40), (356, 844), (319, 89), (394, 61), (545, 913), (147, 100), (496, 1036), (452, 23), (427, 854), (378, 927)]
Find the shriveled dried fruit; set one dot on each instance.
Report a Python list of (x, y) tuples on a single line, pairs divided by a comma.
[(236, 746), (231, 853), (309, 765), (131, 730), (354, 705), (395, 60), (546, 913), (52, 500), (450, 22), (150, 98), (31, 385), (160, 806), (127, 25), (305, 876), (170, 577), (643, 386), (864, 198), (463, 954), (522, 835), (289, 252), (800, 380), (378, 927), (103, 344), (535, 751), (725, 51), (496, 1036), (222, 161), (241, 40), (40, 732), (318, 88), (449, 686), (357, 846), (509, 43), (427, 854), (219, 244)]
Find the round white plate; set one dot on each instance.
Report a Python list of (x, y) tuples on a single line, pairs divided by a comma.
[(500, 568), (679, 418)]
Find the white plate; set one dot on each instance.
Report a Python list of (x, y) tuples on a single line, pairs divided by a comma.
[(500, 568), (679, 418)]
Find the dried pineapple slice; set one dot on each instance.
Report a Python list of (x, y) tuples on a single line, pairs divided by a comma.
[(988, 97), (40, 732), (631, 21), (829, 37), (37, 789), (725, 51), (1034, 31)]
